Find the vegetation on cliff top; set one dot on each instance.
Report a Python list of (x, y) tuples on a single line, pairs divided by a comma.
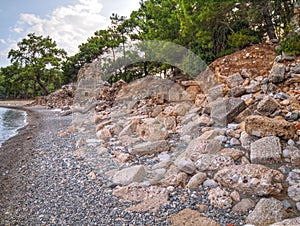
[(208, 28)]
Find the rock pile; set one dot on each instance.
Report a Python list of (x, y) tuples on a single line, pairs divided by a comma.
[(60, 99), (239, 141)]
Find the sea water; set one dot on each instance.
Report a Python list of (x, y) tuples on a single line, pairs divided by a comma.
[(11, 120)]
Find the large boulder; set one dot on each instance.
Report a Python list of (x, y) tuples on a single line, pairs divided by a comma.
[(213, 161), (200, 146), (277, 73), (224, 110), (266, 150), (262, 126), (267, 105), (149, 148), (129, 175), (251, 178), (266, 212), (288, 222)]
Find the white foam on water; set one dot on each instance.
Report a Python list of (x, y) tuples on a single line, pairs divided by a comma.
[(11, 120)]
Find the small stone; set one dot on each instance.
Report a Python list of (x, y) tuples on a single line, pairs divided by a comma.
[(286, 204), (247, 139), (176, 180), (286, 153), (196, 180), (244, 206), (216, 92), (186, 165), (170, 122), (294, 192), (234, 80), (294, 177), (62, 134), (210, 183), (235, 196), (292, 116), (253, 87), (234, 142), (234, 153), (282, 96), (92, 175), (291, 142), (295, 157), (203, 207), (298, 206), (221, 138), (267, 211), (170, 188), (236, 91), (122, 157), (219, 197), (156, 111), (233, 126), (104, 134)]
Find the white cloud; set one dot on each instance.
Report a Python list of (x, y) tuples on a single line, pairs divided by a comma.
[(2, 41), (69, 26)]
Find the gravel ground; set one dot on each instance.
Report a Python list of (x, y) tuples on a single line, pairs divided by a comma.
[(48, 185)]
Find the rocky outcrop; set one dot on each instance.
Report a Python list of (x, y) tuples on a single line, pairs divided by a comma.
[(235, 144)]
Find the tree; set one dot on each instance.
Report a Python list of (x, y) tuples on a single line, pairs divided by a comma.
[(40, 59)]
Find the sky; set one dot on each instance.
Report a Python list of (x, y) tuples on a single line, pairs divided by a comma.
[(68, 22)]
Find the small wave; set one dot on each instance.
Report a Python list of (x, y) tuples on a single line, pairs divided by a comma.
[(11, 120)]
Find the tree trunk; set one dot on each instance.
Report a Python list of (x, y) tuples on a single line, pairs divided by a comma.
[(270, 26), (268, 20), (145, 68), (44, 88)]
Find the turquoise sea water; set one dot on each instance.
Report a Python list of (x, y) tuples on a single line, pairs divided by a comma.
[(10, 121)]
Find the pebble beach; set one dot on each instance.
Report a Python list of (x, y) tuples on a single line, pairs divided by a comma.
[(46, 184)]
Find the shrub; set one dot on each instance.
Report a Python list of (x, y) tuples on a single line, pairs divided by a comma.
[(240, 40), (291, 45)]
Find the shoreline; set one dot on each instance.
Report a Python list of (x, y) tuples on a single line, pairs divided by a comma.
[(17, 148)]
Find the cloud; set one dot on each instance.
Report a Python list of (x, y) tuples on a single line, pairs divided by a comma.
[(69, 25), (2, 41)]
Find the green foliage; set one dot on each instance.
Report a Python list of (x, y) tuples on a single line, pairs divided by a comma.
[(291, 45), (239, 40), (39, 62)]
